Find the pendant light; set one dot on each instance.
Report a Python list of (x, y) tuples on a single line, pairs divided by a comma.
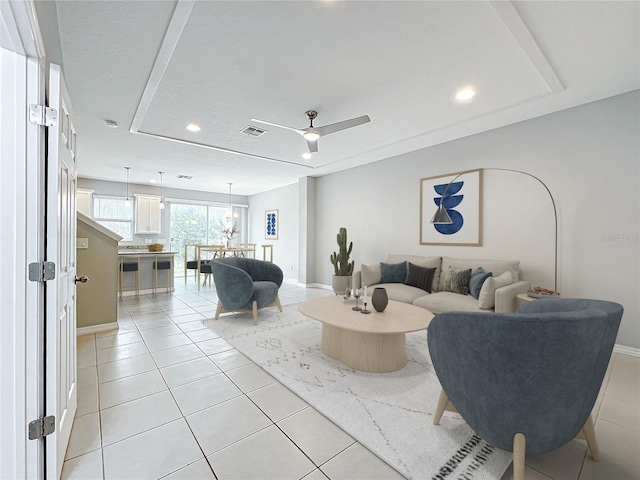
[(161, 190), (127, 201), (228, 214)]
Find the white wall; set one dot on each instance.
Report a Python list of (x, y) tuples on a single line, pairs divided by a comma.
[(589, 158), (285, 248)]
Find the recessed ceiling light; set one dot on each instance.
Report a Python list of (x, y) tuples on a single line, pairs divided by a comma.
[(152, 181), (306, 155), (193, 127), (464, 94)]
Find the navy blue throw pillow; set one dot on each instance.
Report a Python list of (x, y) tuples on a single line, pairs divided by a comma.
[(393, 272)]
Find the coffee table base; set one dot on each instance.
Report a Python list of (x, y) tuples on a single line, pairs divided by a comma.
[(369, 352)]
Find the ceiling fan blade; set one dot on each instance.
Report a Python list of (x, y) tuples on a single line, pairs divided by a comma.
[(336, 127), (297, 130), (313, 145)]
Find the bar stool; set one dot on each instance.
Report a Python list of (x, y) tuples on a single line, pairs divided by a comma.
[(264, 252), (162, 262), (132, 264)]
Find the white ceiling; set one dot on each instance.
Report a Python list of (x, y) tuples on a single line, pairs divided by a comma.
[(155, 66)]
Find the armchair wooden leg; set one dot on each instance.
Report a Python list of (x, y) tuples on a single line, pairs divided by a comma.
[(255, 312), (519, 449), (590, 436), (278, 303), (218, 310), (442, 405)]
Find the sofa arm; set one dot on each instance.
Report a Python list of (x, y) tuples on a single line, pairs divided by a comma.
[(506, 301)]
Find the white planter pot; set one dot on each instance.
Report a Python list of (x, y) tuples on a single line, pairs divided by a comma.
[(340, 284)]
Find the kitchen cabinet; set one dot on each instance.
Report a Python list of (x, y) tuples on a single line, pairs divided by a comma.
[(84, 201), (148, 214)]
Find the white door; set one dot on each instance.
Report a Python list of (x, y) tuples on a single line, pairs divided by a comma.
[(61, 384), (22, 241)]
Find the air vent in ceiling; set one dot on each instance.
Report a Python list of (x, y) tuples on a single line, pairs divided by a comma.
[(186, 177), (253, 131)]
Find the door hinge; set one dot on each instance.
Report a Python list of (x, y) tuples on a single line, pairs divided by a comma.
[(42, 115), (42, 271), (42, 427)]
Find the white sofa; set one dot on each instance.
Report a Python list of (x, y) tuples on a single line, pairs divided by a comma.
[(503, 299)]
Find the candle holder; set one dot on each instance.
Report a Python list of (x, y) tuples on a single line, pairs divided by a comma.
[(356, 308), (364, 310)]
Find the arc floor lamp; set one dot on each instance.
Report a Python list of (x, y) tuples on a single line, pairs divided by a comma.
[(442, 217)]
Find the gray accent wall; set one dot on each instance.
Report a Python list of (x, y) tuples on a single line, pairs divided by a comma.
[(588, 156)]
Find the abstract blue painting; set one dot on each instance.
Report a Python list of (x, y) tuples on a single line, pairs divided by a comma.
[(460, 195), (271, 224)]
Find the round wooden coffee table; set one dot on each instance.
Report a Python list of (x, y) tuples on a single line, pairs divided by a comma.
[(373, 343)]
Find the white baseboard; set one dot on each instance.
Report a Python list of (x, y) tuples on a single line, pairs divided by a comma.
[(103, 327), (132, 293), (625, 350), (318, 285)]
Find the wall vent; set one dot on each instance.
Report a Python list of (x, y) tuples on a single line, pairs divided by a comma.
[(186, 177), (253, 131)]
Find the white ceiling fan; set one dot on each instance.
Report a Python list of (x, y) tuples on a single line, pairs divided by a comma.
[(312, 134)]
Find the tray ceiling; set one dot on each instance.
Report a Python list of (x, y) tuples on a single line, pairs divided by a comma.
[(155, 66)]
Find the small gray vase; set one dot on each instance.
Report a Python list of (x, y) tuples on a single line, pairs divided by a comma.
[(379, 299)]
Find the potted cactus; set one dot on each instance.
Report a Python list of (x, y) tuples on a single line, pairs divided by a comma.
[(340, 261)]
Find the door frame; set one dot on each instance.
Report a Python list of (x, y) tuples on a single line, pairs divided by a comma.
[(22, 238)]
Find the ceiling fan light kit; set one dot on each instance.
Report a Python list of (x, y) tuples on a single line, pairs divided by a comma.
[(312, 134)]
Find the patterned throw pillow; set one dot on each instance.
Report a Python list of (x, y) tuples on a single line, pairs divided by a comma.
[(457, 281), (478, 277), (420, 277), (393, 272)]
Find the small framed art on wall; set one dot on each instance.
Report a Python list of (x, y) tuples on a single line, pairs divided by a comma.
[(271, 221)]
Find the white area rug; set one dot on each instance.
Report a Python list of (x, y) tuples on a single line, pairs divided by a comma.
[(389, 413)]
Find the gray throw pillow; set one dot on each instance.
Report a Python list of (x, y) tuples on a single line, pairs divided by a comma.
[(457, 281), (478, 277), (420, 277), (393, 272)]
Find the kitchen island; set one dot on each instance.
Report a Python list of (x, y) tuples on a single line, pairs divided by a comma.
[(146, 279)]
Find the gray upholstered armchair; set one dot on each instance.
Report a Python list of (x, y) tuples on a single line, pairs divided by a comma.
[(246, 285), (526, 382)]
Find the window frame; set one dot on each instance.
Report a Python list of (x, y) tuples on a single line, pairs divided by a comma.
[(100, 219)]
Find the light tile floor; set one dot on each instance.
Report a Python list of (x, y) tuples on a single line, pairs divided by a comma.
[(164, 397)]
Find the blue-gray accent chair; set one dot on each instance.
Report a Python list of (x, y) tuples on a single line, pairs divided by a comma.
[(526, 382), (246, 285)]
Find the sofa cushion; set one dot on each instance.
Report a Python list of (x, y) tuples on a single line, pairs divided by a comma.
[(487, 297), (440, 302), (370, 274), (457, 281), (401, 292), (421, 277), (393, 272), (429, 262), (497, 267), (477, 280)]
